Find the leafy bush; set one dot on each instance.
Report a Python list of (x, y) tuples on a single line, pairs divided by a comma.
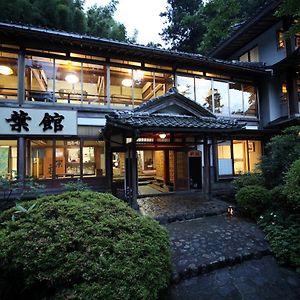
[(292, 185), (278, 198), (253, 199), (77, 185), (247, 180), (281, 152), (81, 245), (283, 234)]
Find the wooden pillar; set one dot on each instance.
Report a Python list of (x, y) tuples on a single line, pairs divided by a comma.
[(134, 175), (21, 158), (108, 164), (166, 167), (206, 171)]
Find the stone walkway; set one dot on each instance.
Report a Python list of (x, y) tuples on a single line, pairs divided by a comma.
[(216, 256), (170, 208)]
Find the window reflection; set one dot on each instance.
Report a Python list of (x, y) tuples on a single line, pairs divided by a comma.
[(221, 97), (236, 99), (250, 100), (185, 86), (8, 76), (204, 93)]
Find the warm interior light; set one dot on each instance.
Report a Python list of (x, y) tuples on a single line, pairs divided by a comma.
[(5, 70), (162, 135), (127, 82), (72, 78)]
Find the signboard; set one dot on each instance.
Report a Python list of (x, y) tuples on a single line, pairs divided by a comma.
[(22, 121)]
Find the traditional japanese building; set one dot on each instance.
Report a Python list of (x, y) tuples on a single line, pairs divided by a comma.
[(125, 118)]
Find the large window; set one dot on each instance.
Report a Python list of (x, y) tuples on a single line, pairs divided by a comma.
[(220, 97), (238, 157), (8, 158), (73, 158), (65, 81), (131, 87), (8, 76), (39, 72)]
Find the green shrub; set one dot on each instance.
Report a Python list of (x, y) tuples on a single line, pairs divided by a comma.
[(280, 153), (247, 180), (283, 235), (278, 198), (253, 199), (82, 245), (292, 185)]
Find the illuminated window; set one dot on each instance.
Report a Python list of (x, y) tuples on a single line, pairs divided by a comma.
[(8, 158), (280, 39), (238, 157), (8, 76)]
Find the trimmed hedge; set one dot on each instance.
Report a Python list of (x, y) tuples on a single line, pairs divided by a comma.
[(81, 245), (253, 199)]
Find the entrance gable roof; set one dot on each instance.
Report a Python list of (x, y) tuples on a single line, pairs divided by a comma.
[(174, 103), (156, 122)]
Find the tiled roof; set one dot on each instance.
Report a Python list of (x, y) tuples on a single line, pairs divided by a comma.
[(136, 120), (138, 50)]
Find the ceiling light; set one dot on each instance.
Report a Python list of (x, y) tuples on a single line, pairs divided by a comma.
[(162, 135), (5, 70), (72, 78), (127, 82)]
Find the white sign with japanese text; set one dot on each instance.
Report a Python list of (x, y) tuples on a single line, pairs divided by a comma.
[(23, 121)]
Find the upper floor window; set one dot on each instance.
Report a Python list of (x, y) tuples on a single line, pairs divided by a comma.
[(280, 39), (250, 56), (219, 96), (8, 76)]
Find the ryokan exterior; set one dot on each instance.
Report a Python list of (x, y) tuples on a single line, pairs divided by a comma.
[(126, 118)]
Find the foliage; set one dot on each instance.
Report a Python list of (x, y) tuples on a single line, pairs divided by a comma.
[(247, 179), (281, 152), (77, 185), (291, 9), (254, 199), (184, 24), (292, 185), (283, 234), (198, 26), (29, 187), (67, 15), (279, 200), (81, 245)]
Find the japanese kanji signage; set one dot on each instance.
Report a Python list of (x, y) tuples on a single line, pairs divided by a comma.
[(22, 121)]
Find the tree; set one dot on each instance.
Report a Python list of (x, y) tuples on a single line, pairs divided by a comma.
[(290, 8), (184, 25), (197, 27), (65, 15)]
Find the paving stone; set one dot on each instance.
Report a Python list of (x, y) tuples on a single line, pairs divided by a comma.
[(226, 283), (188, 235), (218, 257), (170, 208)]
